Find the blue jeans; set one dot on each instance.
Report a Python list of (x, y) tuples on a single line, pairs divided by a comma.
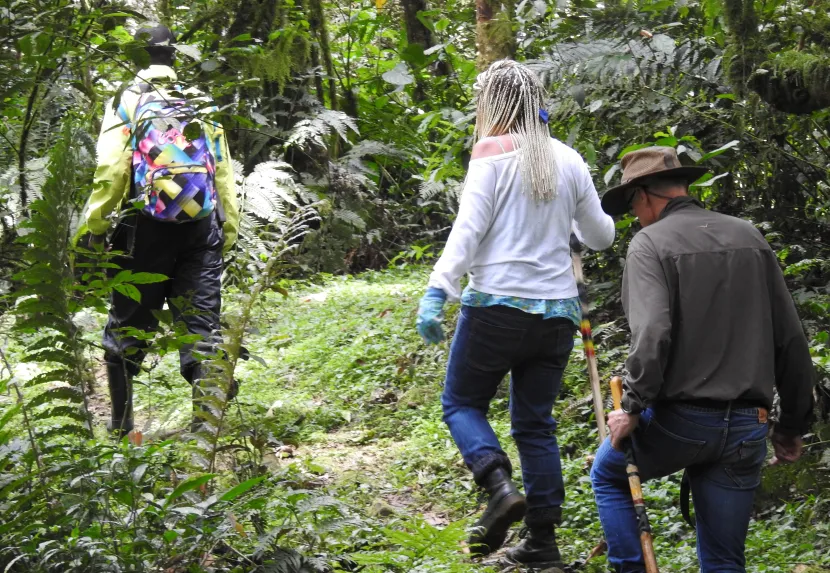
[(489, 342), (723, 449)]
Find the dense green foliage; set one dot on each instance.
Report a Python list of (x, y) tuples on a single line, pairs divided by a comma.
[(350, 124), (337, 448)]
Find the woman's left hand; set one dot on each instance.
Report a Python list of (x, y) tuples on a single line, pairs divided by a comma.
[(430, 313)]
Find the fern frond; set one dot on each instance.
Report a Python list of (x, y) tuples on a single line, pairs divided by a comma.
[(352, 169), (46, 304), (314, 129), (267, 189), (36, 172), (369, 148), (274, 210), (351, 218), (433, 187), (626, 62), (238, 173), (289, 561), (373, 236)]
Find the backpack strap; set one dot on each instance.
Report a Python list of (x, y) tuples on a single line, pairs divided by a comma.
[(685, 499), (220, 210)]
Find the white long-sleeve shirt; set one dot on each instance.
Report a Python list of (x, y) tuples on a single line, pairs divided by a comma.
[(513, 246)]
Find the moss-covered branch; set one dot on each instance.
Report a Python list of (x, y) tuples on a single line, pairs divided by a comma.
[(793, 81)]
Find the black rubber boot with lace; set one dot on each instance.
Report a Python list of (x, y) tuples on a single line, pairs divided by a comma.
[(505, 507), (121, 399), (538, 549)]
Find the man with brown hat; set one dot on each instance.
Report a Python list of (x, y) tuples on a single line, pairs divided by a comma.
[(714, 332)]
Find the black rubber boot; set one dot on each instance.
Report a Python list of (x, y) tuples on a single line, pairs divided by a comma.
[(121, 399), (505, 507), (537, 550)]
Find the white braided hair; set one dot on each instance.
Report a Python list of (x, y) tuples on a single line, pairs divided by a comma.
[(509, 99)]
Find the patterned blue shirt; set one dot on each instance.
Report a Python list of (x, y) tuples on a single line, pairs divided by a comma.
[(557, 308)]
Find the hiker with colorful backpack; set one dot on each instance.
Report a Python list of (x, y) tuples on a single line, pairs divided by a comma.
[(165, 176), (714, 334), (520, 311)]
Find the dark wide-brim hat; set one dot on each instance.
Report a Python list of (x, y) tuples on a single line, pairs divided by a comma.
[(642, 164)]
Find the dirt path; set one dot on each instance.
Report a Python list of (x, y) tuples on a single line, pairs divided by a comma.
[(349, 461)]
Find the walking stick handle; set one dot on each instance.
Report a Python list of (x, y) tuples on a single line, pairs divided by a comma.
[(617, 391), (646, 540)]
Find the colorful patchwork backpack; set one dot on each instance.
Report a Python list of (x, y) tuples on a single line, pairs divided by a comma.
[(173, 176)]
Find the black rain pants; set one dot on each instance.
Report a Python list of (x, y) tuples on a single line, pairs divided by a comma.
[(190, 255)]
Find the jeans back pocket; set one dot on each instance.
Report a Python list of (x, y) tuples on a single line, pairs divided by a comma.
[(494, 338), (744, 469)]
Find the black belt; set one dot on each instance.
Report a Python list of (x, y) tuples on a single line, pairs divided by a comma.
[(722, 404)]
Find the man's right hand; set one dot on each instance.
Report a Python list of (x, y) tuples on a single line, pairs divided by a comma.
[(787, 448)]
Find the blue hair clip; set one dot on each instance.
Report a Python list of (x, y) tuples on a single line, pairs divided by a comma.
[(543, 115)]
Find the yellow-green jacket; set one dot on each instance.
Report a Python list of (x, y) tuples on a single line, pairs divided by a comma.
[(114, 171)]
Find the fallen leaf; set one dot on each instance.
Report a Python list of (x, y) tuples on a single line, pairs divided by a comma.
[(236, 525), (136, 438)]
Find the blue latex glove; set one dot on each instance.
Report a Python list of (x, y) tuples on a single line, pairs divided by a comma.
[(430, 313)]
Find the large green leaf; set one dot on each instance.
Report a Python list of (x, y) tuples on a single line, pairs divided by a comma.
[(130, 291), (719, 150), (146, 278), (399, 75), (188, 485), (238, 490)]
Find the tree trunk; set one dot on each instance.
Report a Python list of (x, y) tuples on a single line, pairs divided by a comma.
[(494, 32), (419, 35), (416, 32), (318, 77), (317, 20)]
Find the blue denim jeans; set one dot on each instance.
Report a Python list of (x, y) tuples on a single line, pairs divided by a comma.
[(723, 449), (489, 342)]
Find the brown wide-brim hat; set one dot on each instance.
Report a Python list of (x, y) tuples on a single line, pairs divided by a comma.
[(643, 164)]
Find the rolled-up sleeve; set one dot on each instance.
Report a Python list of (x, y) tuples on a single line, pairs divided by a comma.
[(475, 215), (645, 298)]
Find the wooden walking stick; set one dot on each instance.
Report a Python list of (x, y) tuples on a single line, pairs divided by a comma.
[(590, 358), (646, 540), (588, 338)]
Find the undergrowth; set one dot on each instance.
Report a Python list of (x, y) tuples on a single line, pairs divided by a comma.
[(335, 455)]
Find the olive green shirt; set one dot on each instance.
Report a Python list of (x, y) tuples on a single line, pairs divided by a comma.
[(113, 174)]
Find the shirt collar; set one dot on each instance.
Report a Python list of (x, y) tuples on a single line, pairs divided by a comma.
[(156, 71), (678, 203)]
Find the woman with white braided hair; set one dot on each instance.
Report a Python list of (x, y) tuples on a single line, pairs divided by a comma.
[(523, 193)]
